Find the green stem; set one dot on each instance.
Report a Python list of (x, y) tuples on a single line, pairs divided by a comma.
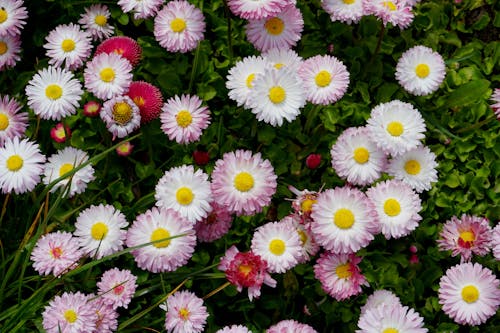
[(476, 125)]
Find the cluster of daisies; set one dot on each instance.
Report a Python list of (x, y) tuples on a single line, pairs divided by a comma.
[(12, 20)]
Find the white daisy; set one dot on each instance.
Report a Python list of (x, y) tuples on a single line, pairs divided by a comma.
[(378, 298), (347, 11), (392, 318), (186, 191), (283, 58), (397, 207), (63, 162), (277, 95), (396, 127), (95, 21), (68, 44), (416, 167), (278, 244), (309, 246), (12, 15), (141, 8), (10, 47), (21, 164), (99, 230), (121, 116), (54, 93), (240, 80)]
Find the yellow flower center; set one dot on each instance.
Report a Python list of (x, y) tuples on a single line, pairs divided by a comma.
[(245, 269), (274, 26), (184, 314), (470, 294), (277, 94), (178, 25), (68, 45), (277, 247), (306, 205), (422, 70), (70, 316), (14, 163), (122, 113), (53, 91), (390, 330), (4, 122), (343, 218), (184, 118), (158, 234), (99, 230), (249, 80), (390, 5), (412, 167), (184, 196), (3, 48), (392, 207), (100, 20), (343, 271), (139, 101), (107, 74), (323, 78), (349, 2), (395, 128), (303, 236), (361, 155), (3, 15), (243, 181), (56, 252), (467, 236), (278, 65), (65, 168)]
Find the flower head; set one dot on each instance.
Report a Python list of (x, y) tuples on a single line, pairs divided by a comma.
[(313, 161), (125, 149), (12, 122), (185, 312), (396, 12), (12, 17), (121, 116), (124, 46), (117, 287), (60, 133), (68, 44), (347, 11), (391, 318), (92, 109), (95, 21), (234, 329), (215, 225), (256, 10), (290, 325), (378, 298), (142, 9), (148, 98), (307, 242), (69, 313), (495, 242), (283, 58), (10, 47), (495, 97), (107, 317)]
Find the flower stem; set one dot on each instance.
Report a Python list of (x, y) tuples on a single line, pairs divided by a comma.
[(476, 125), (216, 290), (4, 207)]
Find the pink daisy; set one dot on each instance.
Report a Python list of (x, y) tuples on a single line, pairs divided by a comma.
[(56, 253), (179, 26), (234, 329), (283, 58), (156, 224), (12, 17), (302, 204), (378, 298), (183, 118), (121, 116), (469, 293), (256, 10), (309, 246), (95, 21), (185, 312), (282, 30), (466, 236), (396, 12), (148, 98), (125, 149), (69, 313), (10, 47), (347, 11), (142, 9), (215, 225), (391, 318), (92, 109), (246, 270), (495, 97), (290, 326), (117, 287), (243, 182), (495, 242), (60, 133), (107, 317), (68, 44), (123, 46), (325, 79), (12, 122), (339, 275)]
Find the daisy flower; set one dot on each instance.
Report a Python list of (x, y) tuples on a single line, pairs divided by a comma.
[(466, 236), (396, 12), (164, 255), (256, 10), (69, 313), (240, 79), (107, 317), (243, 182), (495, 242), (347, 11), (353, 216), (416, 167), (12, 122), (356, 157), (234, 329), (54, 93), (215, 225), (117, 287), (302, 204), (469, 293), (95, 21), (339, 275), (56, 253), (142, 9), (183, 118), (246, 270), (277, 95), (420, 70), (186, 191), (397, 207), (63, 162), (10, 47), (282, 30), (179, 26), (278, 244), (495, 97), (290, 325), (108, 75), (185, 312), (92, 109), (99, 230), (283, 58), (396, 127), (391, 318), (123, 46), (68, 44), (21, 164), (307, 242), (378, 298), (60, 133), (12, 17), (121, 116), (125, 149), (148, 98)]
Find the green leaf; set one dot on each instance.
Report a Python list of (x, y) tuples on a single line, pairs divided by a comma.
[(468, 93)]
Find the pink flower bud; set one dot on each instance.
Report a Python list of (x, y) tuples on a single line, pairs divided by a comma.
[(313, 161)]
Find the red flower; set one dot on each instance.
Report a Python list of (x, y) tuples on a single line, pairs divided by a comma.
[(122, 45), (200, 157), (148, 98), (313, 161), (60, 133), (91, 109)]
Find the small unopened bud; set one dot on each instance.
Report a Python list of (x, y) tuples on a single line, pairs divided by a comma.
[(201, 157), (313, 161), (60, 133)]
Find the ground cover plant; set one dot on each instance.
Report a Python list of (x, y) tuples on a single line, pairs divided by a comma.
[(236, 166)]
